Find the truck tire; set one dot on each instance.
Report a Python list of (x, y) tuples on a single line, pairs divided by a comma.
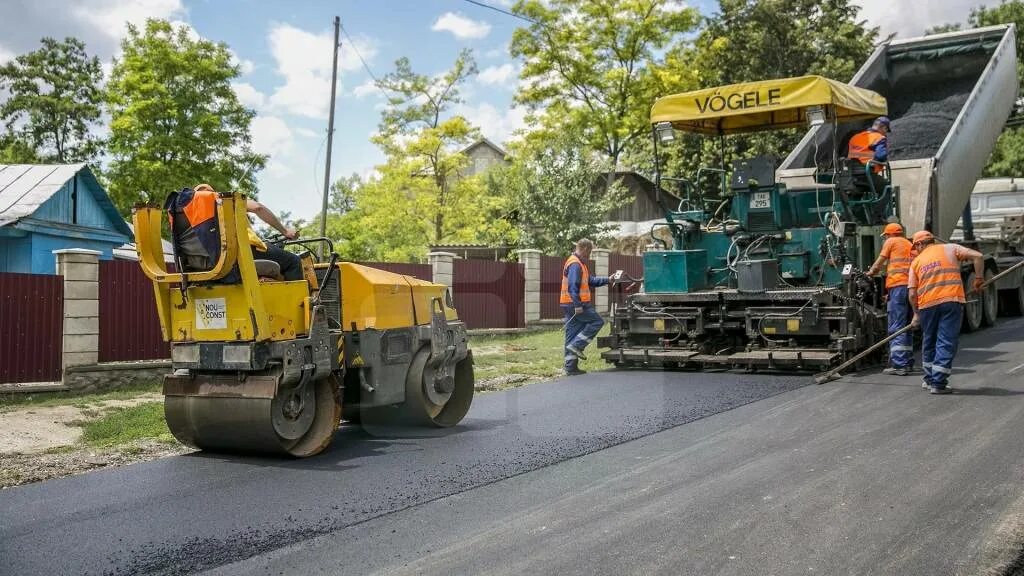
[(973, 314), (989, 301)]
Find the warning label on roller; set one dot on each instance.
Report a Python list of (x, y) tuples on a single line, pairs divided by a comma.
[(211, 313)]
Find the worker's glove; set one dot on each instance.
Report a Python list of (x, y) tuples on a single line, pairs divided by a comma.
[(915, 322), (578, 310), (978, 285), (615, 277)]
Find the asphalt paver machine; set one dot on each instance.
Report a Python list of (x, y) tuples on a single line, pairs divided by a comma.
[(767, 270)]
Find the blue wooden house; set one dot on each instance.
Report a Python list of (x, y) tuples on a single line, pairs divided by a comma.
[(47, 207)]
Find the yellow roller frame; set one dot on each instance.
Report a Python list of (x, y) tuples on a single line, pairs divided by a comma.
[(234, 226)]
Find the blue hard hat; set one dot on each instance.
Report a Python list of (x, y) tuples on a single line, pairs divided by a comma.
[(884, 120)]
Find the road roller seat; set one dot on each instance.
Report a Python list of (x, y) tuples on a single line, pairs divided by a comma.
[(268, 270)]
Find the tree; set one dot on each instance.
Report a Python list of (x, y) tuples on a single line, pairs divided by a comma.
[(558, 193), (751, 40), (175, 119), (596, 67), (54, 101), (418, 133)]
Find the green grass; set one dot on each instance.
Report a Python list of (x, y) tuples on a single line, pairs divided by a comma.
[(78, 399), (126, 425), (535, 354)]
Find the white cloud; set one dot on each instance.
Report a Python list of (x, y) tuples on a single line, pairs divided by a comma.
[(674, 5), (304, 61), (368, 88), (98, 23), (307, 133), (498, 75), (249, 96), (245, 67), (463, 28), (110, 16), (497, 125), (909, 19), (271, 135), (6, 55), (278, 170)]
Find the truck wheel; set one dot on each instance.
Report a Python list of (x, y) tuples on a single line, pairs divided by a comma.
[(973, 314), (989, 301)]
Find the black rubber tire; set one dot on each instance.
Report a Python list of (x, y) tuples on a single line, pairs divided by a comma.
[(973, 315)]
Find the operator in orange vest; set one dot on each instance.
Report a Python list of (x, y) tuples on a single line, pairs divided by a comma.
[(897, 251), (872, 145), (937, 297), (582, 322), (193, 214)]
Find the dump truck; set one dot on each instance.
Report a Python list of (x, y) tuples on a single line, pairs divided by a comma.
[(261, 364), (767, 271)]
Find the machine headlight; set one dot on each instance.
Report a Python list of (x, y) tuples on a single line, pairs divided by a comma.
[(185, 354), (237, 354), (666, 133), (816, 116)]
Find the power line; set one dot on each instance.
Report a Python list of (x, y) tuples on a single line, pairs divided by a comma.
[(502, 11), (362, 60)]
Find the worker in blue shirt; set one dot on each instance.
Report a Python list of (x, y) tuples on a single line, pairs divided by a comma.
[(582, 322)]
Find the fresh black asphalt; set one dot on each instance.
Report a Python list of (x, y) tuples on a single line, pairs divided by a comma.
[(185, 514)]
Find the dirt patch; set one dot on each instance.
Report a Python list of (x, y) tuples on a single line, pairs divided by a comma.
[(38, 428), (17, 469)]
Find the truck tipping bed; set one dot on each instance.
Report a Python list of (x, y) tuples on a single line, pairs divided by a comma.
[(949, 97)]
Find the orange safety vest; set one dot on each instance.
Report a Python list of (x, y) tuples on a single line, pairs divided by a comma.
[(565, 298), (900, 253), (937, 276), (862, 147)]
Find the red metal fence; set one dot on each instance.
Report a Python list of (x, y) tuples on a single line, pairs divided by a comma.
[(31, 327), (489, 294), (129, 326)]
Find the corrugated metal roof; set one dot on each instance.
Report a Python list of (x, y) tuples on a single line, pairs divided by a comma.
[(26, 187)]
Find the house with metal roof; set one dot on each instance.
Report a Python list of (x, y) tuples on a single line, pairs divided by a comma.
[(47, 207)]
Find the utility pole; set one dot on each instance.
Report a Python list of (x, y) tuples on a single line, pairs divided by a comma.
[(330, 129)]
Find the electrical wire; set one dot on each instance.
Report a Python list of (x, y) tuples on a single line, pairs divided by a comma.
[(502, 11), (366, 67)]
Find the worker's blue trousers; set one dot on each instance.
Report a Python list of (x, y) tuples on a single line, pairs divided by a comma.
[(940, 328), (580, 329), (901, 349)]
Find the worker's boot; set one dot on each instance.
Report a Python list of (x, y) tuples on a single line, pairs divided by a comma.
[(576, 351), (936, 390)]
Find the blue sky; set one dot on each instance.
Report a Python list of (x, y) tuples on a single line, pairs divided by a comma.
[(284, 51)]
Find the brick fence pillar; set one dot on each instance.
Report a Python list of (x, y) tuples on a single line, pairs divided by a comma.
[(81, 271), (530, 259), (600, 256), (442, 268)]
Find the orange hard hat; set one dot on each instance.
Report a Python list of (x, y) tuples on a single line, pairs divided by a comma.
[(893, 229), (923, 236)]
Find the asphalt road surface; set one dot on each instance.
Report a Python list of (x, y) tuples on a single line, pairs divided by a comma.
[(612, 473)]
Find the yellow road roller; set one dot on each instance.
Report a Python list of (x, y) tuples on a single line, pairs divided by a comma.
[(265, 365)]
